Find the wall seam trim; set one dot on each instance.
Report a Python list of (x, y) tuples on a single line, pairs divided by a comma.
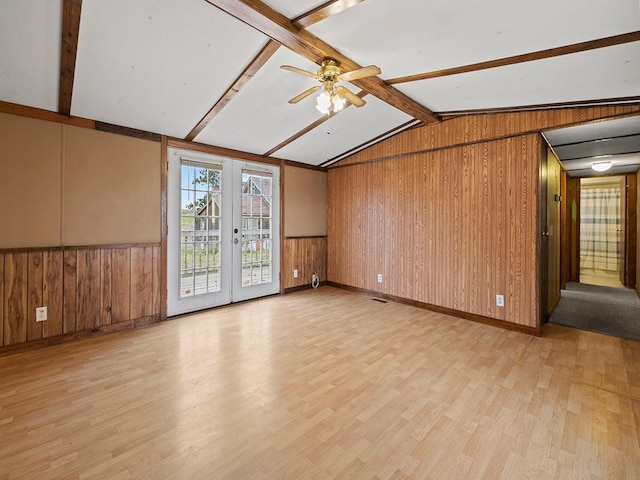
[(62, 175)]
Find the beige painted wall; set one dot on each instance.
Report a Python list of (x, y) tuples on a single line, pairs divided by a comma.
[(111, 188), (65, 185), (30, 182), (305, 202)]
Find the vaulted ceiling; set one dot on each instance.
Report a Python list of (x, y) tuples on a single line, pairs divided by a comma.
[(208, 70)]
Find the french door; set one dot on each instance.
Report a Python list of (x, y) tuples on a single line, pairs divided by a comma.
[(223, 242)]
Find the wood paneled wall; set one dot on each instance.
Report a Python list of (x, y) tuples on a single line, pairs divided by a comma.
[(451, 228), (458, 131), (571, 250), (638, 233), (553, 230), (84, 288), (565, 225), (631, 241), (307, 255)]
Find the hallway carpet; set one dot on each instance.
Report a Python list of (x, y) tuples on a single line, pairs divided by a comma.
[(612, 311)]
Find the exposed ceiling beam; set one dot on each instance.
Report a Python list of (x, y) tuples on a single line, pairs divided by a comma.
[(278, 27), (247, 74), (310, 127), (602, 156), (41, 114), (526, 57), (597, 140), (222, 151), (71, 10), (602, 102), (323, 12), (305, 20)]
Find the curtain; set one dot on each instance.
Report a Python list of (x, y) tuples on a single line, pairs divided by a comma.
[(599, 225)]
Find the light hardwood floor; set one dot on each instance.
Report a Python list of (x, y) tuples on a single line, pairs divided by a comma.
[(323, 384)]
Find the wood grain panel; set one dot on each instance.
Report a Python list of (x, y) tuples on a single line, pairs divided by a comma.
[(89, 289), (451, 228), (466, 129), (631, 230), (554, 174), (565, 262), (105, 286), (156, 266), (141, 282), (35, 286), (307, 255), (121, 285), (85, 289), (52, 293), (69, 46), (573, 218), (15, 298), (70, 291)]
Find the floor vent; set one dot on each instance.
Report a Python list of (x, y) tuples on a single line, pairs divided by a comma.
[(379, 300)]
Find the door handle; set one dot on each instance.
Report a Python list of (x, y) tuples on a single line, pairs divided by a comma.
[(545, 234)]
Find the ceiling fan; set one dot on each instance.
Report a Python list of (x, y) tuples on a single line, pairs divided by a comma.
[(333, 98)]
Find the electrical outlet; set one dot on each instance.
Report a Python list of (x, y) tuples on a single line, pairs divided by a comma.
[(499, 300), (379, 278), (41, 314), (295, 273)]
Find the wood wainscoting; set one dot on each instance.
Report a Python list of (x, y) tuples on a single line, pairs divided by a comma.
[(85, 289), (307, 255)]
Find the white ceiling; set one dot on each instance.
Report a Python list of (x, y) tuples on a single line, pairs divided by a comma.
[(617, 141), (30, 32), (554, 80), (412, 36), (160, 65), (156, 65)]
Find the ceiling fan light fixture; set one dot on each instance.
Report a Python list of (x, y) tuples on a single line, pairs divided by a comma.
[(333, 98), (602, 166), (329, 101), (323, 102), (338, 102)]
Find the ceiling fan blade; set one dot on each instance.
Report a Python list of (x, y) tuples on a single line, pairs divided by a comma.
[(351, 97), (299, 71), (369, 71), (305, 94)]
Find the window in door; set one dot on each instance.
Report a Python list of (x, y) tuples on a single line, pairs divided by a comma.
[(200, 228), (257, 212)]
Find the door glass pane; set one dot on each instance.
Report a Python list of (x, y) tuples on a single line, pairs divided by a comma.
[(200, 230), (256, 228)]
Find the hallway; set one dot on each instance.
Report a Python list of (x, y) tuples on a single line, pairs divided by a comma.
[(608, 310)]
